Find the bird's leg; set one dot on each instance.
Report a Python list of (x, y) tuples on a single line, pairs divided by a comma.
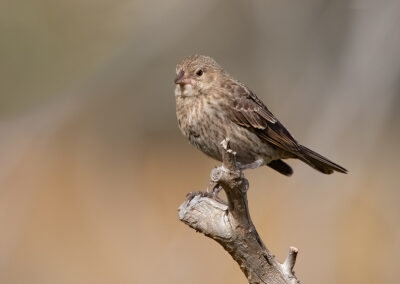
[(253, 165), (214, 188), (217, 189)]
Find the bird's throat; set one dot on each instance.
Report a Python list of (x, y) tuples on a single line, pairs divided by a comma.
[(185, 90)]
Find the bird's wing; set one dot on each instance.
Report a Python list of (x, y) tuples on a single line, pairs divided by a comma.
[(249, 111)]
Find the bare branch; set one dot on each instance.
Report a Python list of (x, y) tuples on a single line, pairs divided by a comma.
[(231, 226)]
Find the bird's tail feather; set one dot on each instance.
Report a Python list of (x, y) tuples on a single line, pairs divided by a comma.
[(281, 166), (319, 162)]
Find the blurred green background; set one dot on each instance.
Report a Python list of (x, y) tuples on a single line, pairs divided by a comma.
[(93, 166)]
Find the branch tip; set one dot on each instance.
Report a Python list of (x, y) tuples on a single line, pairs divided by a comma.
[(290, 261)]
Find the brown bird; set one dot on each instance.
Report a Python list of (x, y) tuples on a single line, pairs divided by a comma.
[(212, 106)]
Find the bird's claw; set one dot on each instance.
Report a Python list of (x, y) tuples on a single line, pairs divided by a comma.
[(216, 190), (213, 189)]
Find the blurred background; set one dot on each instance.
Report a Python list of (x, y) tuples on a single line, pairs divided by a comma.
[(93, 166)]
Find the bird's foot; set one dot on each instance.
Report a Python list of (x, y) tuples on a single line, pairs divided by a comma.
[(215, 195), (213, 189)]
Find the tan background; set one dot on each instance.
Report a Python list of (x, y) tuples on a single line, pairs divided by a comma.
[(93, 167)]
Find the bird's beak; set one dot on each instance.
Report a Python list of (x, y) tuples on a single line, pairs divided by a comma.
[(180, 79)]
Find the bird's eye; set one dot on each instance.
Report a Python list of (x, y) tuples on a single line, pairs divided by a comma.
[(199, 72)]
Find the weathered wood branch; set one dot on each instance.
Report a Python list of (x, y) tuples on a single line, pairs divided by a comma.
[(231, 226)]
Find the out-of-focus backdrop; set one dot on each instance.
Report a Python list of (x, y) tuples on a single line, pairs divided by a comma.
[(93, 166)]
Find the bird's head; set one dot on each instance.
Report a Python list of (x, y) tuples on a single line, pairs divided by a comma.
[(196, 74)]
